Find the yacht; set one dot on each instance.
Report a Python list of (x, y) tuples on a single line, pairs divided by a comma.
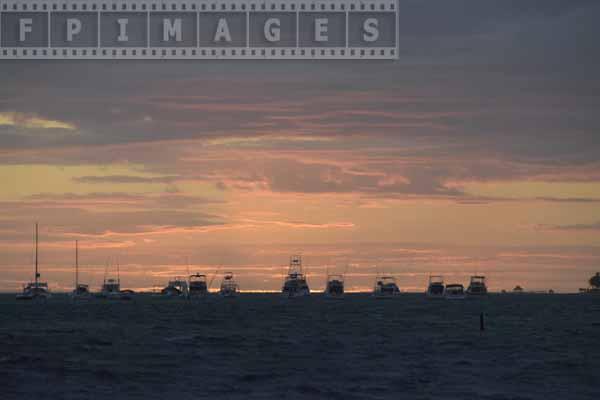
[(229, 287), (295, 282), (197, 285), (594, 287), (454, 291), (111, 288), (81, 291), (334, 288), (385, 287), (35, 290), (477, 286), (177, 287), (436, 288), (518, 290)]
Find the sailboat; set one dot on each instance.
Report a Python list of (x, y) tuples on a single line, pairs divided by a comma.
[(36, 289), (81, 291), (295, 283)]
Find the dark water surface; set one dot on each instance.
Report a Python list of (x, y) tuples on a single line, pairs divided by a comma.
[(260, 346)]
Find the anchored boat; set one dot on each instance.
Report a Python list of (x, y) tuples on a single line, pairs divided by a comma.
[(385, 287), (229, 287), (111, 288), (81, 291), (454, 291), (477, 287), (35, 290), (436, 287), (176, 288), (334, 288), (518, 290), (295, 284), (197, 286)]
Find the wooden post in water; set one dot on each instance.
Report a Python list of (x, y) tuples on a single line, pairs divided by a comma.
[(481, 322)]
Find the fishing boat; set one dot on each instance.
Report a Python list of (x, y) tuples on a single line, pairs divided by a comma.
[(35, 290), (477, 287), (454, 291), (111, 288), (81, 291), (197, 286), (518, 290), (295, 284), (334, 288), (436, 288), (177, 287), (229, 287), (385, 287), (594, 287)]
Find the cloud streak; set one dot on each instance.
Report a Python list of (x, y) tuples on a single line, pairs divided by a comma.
[(26, 121)]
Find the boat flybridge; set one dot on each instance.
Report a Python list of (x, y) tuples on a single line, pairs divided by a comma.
[(229, 287), (334, 288), (454, 291), (295, 284), (436, 288), (518, 290), (477, 287), (197, 286), (35, 290), (178, 287), (385, 287), (81, 291), (111, 288)]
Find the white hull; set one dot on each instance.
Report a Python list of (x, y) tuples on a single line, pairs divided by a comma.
[(476, 295), (115, 296), (197, 296), (385, 295), (454, 296), (27, 296), (300, 293), (75, 296), (435, 296)]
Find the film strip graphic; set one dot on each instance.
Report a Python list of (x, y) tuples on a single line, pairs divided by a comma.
[(199, 29)]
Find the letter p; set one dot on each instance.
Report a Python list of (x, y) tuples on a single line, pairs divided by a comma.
[(73, 28)]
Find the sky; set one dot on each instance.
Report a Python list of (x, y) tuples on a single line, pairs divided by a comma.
[(476, 152)]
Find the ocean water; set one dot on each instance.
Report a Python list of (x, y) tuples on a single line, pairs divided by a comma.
[(264, 347)]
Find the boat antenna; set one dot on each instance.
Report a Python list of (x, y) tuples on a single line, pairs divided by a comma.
[(118, 274), (37, 274), (106, 268), (213, 277), (346, 271)]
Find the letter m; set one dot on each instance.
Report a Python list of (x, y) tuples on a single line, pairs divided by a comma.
[(171, 29)]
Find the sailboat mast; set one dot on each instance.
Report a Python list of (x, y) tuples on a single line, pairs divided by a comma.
[(37, 275), (76, 263)]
